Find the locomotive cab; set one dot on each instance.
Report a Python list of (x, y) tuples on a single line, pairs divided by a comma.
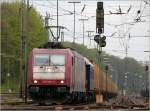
[(48, 74), (49, 67)]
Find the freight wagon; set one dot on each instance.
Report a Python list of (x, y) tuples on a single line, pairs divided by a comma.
[(103, 83)]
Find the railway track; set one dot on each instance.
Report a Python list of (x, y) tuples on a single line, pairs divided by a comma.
[(14, 105), (73, 107), (9, 94), (10, 99)]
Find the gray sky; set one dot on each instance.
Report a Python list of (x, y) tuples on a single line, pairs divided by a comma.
[(136, 43)]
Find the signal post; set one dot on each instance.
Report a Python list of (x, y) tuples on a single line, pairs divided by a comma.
[(100, 40)]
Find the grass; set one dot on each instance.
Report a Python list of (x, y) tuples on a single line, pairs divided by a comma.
[(10, 85)]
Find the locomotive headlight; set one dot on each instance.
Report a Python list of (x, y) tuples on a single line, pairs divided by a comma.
[(35, 81), (61, 81)]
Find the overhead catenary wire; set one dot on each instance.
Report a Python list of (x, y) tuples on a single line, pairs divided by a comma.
[(135, 6), (62, 9), (69, 12), (52, 7)]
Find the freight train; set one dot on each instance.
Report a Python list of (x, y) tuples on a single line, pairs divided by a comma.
[(64, 74)]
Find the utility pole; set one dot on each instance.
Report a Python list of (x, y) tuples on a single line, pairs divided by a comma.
[(125, 73), (62, 36), (57, 22), (23, 63), (146, 85), (106, 69), (23, 36), (83, 26), (149, 49), (98, 39), (26, 40), (74, 2), (89, 35), (21, 49)]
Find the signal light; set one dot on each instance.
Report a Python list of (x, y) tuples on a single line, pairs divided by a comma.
[(100, 40), (146, 68), (97, 39), (106, 67), (100, 17), (103, 42)]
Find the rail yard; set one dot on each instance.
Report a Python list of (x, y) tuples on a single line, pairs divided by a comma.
[(75, 55)]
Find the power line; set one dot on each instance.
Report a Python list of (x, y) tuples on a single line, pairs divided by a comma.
[(52, 5), (134, 36)]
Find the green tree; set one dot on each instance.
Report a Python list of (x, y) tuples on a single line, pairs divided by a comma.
[(11, 38)]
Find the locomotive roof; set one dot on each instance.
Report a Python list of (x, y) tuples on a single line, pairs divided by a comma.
[(65, 50), (42, 50)]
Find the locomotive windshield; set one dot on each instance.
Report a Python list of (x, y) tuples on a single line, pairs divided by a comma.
[(41, 60), (58, 60), (52, 60)]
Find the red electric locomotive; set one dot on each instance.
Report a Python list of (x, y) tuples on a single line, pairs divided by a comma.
[(56, 74)]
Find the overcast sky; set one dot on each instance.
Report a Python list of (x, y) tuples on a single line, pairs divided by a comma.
[(123, 29)]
